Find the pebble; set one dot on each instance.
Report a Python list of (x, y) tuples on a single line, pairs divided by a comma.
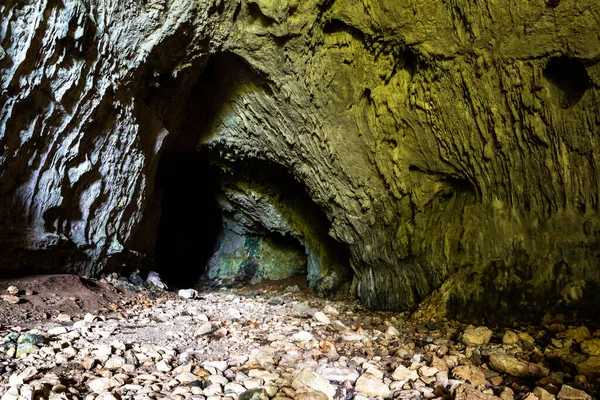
[(12, 289), (372, 386), (174, 348), (100, 385), (188, 293), (254, 394), (510, 338), (302, 336), (591, 347), (570, 393), (321, 317), (476, 336), (313, 381), (404, 374), (9, 298)]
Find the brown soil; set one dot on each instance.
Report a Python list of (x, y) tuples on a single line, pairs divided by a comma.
[(45, 296)]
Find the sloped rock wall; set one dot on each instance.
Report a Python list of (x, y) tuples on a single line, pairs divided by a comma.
[(452, 145)]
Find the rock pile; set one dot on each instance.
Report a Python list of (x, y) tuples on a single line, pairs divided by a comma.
[(229, 345)]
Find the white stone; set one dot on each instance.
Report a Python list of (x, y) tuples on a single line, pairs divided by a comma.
[(59, 330), (219, 365), (188, 293), (321, 317), (100, 385), (404, 374), (302, 336)]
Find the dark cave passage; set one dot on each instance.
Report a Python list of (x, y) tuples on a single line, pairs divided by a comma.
[(190, 219), (220, 216)]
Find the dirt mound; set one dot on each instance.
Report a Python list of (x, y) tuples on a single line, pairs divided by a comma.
[(45, 296)]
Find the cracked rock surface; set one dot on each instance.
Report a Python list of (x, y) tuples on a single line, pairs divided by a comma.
[(450, 145)]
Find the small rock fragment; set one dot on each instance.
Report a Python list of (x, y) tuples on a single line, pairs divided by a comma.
[(404, 374), (570, 393), (100, 385), (591, 347), (476, 336), (12, 290), (254, 394), (321, 317), (189, 294), (9, 298), (510, 338), (372, 386), (313, 381), (302, 336)]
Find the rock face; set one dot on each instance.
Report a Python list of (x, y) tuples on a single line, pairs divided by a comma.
[(441, 153)]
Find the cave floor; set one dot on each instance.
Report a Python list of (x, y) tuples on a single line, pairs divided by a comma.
[(71, 337)]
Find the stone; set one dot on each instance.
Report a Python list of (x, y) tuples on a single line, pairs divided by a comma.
[(12, 290), (114, 363), (100, 385), (186, 377), (510, 338), (591, 347), (392, 331), (570, 393), (218, 365), (59, 330), (233, 387), (155, 280), (468, 392), (321, 317), (313, 381), (254, 394), (589, 367), (310, 396), (476, 336), (401, 373), (526, 337), (162, 366), (470, 373), (188, 293), (543, 394), (372, 386), (510, 365), (579, 334), (302, 336), (8, 298), (62, 317), (339, 374), (328, 309), (204, 328), (24, 349), (302, 310), (213, 389)]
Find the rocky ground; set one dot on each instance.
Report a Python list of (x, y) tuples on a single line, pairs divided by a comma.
[(69, 337)]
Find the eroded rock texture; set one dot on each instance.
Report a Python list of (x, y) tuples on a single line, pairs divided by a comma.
[(451, 146)]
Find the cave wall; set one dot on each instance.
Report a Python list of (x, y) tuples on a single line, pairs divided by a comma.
[(452, 145)]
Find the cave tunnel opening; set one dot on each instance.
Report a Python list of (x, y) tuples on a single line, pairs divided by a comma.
[(201, 234), (190, 221)]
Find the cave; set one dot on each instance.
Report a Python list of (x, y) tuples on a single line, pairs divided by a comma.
[(421, 165), (190, 220)]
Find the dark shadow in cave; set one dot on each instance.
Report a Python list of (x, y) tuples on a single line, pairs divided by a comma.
[(570, 77), (190, 220)]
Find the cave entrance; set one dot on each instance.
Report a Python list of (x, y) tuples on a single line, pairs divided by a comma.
[(190, 220)]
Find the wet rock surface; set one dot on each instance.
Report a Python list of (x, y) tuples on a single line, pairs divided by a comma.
[(238, 344)]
